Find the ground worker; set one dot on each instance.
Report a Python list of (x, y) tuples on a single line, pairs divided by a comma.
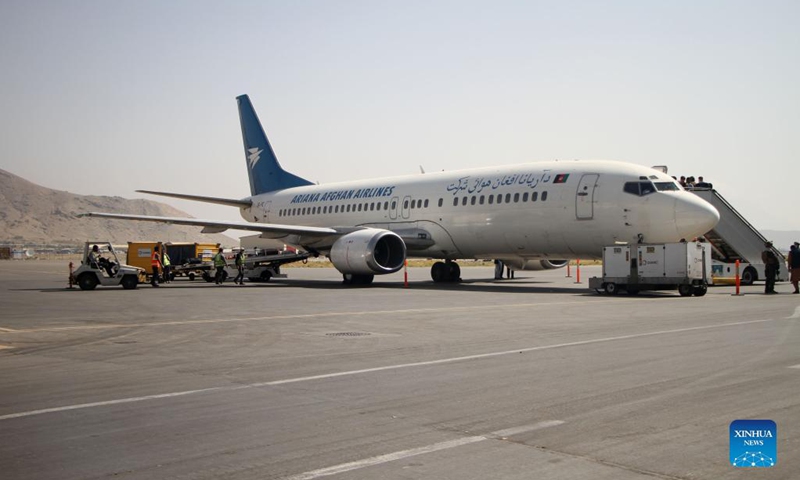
[(240, 267), (220, 263), (155, 262), (167, 263)]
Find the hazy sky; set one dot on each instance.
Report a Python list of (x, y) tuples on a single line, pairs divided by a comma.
[(105, 97)]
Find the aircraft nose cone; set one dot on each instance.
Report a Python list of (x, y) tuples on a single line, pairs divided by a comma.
[(695, 217)]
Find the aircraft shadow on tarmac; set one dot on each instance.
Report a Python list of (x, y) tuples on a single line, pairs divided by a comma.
[(517, 286)]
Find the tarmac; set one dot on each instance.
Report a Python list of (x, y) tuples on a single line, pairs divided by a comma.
[(303, 378)]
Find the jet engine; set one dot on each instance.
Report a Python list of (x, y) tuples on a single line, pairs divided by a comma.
[(370, 251)]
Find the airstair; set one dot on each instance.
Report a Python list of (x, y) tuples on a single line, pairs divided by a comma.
[(734, 238)]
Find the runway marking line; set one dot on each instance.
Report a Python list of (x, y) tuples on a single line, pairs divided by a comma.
[(795, 366), (5, 346), (391, 457), (384, 368), (290, 317), (7, 330)]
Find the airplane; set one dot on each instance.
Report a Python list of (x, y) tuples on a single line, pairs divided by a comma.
[(532, 216)]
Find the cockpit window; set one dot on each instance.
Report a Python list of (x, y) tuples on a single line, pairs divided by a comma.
[(667, 186), (641, 188)]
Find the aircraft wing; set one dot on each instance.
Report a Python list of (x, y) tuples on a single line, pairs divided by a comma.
[(215, 226)]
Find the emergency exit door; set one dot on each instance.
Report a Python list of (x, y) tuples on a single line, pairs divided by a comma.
[(584, 197)]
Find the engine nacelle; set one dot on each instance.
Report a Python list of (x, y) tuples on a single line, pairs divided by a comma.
[(536, 264), (370, 251)]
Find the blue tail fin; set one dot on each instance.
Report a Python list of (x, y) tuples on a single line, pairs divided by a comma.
[(266, 174)]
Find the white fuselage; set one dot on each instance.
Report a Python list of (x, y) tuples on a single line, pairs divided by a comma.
[(558, 210)]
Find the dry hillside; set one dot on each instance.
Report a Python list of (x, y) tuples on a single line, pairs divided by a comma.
[(30, 213)]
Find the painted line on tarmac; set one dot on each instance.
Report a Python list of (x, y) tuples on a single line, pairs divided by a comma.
[(111, 402), (796, 313), (387, 367), (5, 347), (293, 316), (391, 457), (7, 330), (795, 366)]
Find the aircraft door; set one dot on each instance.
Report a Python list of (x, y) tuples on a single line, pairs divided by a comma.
[(584, 197), (393, 209), (406, 212)]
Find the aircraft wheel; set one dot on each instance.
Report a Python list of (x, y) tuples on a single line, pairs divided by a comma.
[(439, 272), (749, 276), (700, 291), (453, 272), (685, 290), (87, 281), (611, 288), (129, 282)]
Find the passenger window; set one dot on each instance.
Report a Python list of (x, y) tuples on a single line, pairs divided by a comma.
[(482, 199), (405, 204), (525, 197), (491, 199), (464, 201), (474, 199), (372, 206), (386, 205), (516, 198), (378, 205), (426, 203), (544, 196), (508, 198), (441, 202), (348, 208), (360, 206), (394, 205), (499, 199), (455, 201), (534, 196)]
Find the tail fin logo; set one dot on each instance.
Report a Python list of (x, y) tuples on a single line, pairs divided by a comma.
[(255, 156)]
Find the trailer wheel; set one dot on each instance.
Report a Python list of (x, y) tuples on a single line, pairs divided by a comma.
[(87, 281), (129, 282), (265, 276), (685, 290), (749, 276), (191, 275), (208, 278), (611, 288), (700, 290)]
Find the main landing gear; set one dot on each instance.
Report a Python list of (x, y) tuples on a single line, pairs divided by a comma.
[(447, 271)]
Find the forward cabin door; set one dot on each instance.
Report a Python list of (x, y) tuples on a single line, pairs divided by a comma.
[(584, 197)]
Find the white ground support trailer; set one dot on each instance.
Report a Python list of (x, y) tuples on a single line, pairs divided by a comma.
[(258, 268), (685, 266), (107, 271)]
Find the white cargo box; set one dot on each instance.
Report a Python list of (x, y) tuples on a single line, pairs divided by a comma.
[(634, 268)]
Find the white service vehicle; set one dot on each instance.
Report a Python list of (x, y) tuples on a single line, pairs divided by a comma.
[(106, 271), (634, 268)]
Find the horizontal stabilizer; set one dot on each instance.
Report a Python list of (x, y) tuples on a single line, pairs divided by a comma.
[(232, 202), (217, 226)]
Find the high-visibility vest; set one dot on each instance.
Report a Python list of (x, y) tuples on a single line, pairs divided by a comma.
[(239, 259), (219, 260), (166, 260), (154, 261)]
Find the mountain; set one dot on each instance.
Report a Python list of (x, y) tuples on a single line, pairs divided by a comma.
[(781, 239), (30, 213)]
